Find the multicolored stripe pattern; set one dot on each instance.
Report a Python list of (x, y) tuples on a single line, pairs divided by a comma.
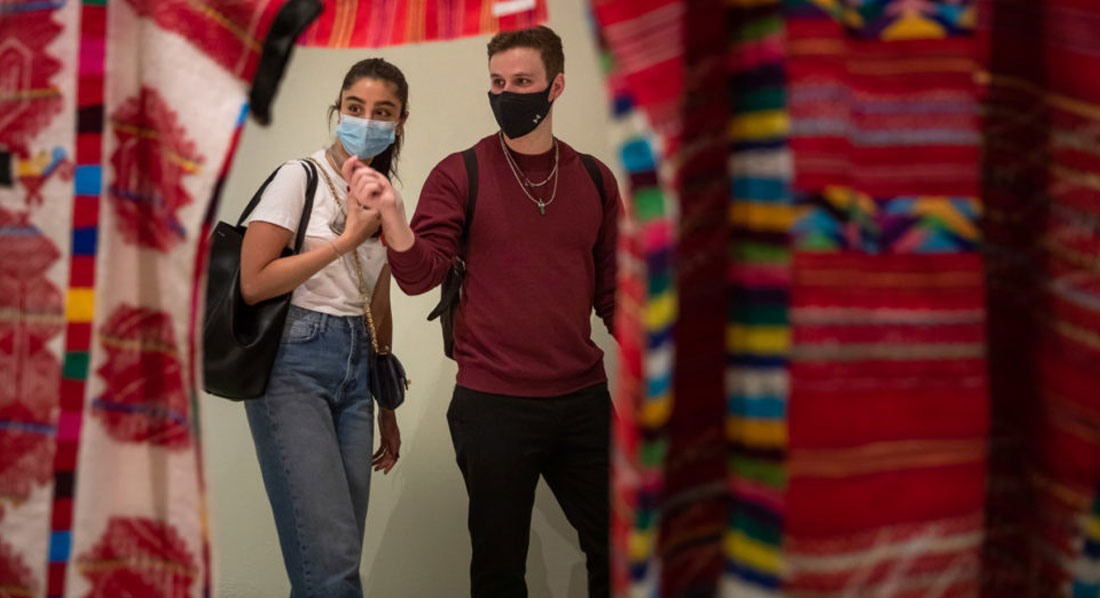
[(80, 301), (378, 23), (758, 334), (641, 43)]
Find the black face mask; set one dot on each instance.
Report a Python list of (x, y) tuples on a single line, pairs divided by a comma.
[(519, 113)]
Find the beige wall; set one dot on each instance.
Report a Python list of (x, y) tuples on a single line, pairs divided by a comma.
[(416, 544)]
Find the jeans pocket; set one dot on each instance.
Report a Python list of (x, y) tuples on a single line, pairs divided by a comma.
[(301, 330)]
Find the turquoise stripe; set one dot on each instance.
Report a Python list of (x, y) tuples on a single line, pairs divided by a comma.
[(757, 189), (659, 386), (763, 407), (637, 156)]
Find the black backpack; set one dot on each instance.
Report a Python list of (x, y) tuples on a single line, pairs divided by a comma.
[(451, 289)]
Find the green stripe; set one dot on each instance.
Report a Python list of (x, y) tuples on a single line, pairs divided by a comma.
[(658, 283), (764, 472), (759, 252), (653, 453), (649, 203), (773, 315), (769, 98), (759, 29), (76, 366), (757, 530)]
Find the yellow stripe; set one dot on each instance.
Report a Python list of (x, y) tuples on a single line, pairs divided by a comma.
[(913, 26), (12, 315), (30, 94), (655, 412), (759, 125), (761, 216), (757, 555), (1074, 105), (147, 563), (80, 305), (660, 311), (1092, 527), (641, 545), (942, 209), (757, 432), (224, 21), (769, 340), (139, 345)]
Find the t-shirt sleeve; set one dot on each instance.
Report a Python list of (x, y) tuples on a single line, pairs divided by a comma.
[(282, 201)]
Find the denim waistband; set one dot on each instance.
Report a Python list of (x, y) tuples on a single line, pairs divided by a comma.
[(326, 321)]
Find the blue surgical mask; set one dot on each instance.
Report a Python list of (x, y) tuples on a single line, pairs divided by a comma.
[(364, 137)]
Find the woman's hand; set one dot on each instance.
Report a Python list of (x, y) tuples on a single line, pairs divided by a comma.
[(371, 188), (374, 191), (361, 225), (389, 448)]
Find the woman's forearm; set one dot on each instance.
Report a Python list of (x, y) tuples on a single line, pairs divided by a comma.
[(285, 274)]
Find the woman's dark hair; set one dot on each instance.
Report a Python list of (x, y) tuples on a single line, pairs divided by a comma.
[(378, 68)]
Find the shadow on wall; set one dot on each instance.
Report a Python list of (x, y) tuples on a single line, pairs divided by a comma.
[(432, 506)]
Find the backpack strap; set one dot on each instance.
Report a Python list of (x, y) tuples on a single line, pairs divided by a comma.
[(452, 284), (597, 177), (469, 158)]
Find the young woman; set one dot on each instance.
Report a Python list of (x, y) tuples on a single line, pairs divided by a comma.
[(314, 428)]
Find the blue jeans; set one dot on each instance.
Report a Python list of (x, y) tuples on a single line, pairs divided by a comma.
[(314, 433)]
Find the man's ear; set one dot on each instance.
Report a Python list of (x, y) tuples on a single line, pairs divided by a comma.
[(557, 87)]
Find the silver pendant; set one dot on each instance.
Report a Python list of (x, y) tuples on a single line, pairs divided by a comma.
[(542, 208)]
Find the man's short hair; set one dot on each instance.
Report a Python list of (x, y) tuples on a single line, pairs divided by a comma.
[(540, 38)]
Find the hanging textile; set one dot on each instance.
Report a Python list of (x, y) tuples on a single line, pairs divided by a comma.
[(378, 23), (1042, 191), (109, 161), (639, 42), (888, 406)]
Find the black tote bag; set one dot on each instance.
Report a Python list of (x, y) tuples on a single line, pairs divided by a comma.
[(240, 340)]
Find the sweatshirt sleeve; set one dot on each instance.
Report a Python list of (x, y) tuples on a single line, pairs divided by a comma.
[(437, 227), (606, 251)]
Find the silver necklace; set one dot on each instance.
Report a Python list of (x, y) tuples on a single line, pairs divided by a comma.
[(542, 205)]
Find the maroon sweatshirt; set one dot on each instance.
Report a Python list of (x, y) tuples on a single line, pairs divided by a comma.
[(522, 327)]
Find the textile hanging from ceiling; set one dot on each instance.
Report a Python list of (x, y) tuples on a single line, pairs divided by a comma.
[(108, 163), (911, 339), (378, 23)]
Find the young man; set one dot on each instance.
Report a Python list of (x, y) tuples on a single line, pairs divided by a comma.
[(531, 396)]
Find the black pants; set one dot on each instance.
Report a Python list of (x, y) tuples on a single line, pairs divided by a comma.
[(503, 444)]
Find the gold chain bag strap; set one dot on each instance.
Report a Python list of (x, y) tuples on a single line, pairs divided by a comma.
[(388, 382)]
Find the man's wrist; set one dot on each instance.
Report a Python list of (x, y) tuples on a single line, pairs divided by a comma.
[(399, 236)]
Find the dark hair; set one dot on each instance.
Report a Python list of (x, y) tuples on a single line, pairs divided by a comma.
[(378, 68), (541, 38)]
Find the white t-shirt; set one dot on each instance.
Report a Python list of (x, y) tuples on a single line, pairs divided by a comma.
[(335, 289)]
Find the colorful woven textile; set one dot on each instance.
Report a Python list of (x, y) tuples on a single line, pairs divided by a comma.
[(648, 302), (113, 161), (757, 330), (1042, 191), (855, 341), (378, 23)]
